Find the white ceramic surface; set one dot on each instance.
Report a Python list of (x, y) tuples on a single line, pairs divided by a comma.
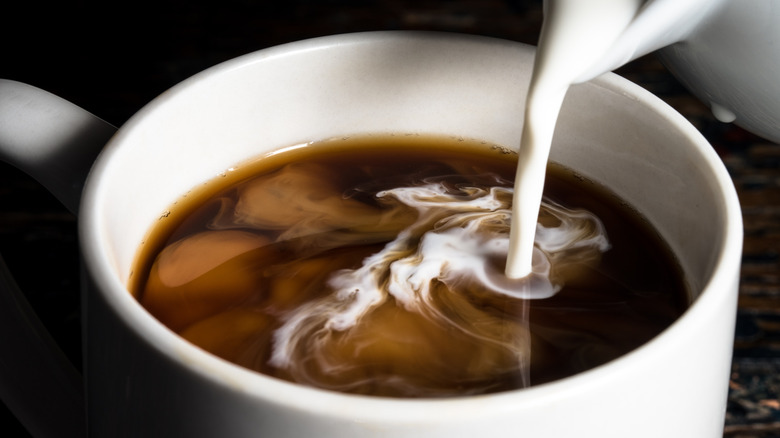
[(145, 381)]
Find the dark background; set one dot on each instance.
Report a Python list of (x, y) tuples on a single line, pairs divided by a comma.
[(112, 57)]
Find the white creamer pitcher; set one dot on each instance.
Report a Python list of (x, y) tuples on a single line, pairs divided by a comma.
[(726, 52)]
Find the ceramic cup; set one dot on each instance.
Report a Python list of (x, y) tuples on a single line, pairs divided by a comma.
[(142, 380)]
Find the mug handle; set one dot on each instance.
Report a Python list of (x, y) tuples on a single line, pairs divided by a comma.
[(55, 142)]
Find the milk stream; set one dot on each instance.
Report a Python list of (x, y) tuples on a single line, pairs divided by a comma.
[(574, 35)]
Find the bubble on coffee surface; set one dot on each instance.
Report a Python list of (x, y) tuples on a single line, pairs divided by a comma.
[(388, 280)]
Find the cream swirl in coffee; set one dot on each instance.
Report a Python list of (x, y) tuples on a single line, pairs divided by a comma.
[(458, 239)]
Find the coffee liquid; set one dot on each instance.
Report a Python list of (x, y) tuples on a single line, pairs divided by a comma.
[(374, 265)]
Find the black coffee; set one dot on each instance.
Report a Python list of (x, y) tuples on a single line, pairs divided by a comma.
[(374, 266)]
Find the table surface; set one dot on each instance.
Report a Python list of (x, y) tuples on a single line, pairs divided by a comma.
[(113, 57)]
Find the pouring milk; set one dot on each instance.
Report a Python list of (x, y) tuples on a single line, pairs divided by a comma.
[(579, 41), (575, 34)]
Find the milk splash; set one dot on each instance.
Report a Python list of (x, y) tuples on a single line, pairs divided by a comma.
[(575, 34), (460, 238)]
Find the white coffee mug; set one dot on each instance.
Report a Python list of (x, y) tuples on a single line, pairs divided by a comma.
[(142, 380)]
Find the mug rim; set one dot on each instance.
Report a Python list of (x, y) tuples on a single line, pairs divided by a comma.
[(223, 373)]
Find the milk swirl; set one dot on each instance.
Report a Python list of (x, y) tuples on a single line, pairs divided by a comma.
[(459, 237)]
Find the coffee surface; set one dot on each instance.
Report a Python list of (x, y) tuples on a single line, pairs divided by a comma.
[(374, 265)]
